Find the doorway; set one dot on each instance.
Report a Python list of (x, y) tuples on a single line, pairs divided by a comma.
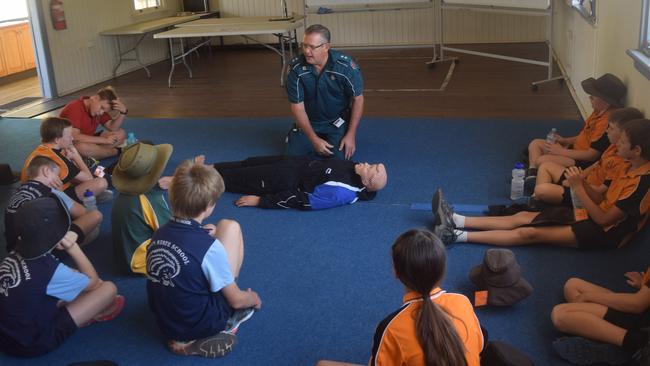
[(25, 71)]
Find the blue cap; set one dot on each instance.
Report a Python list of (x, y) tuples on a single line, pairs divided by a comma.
[(519, 166), (88, 193)]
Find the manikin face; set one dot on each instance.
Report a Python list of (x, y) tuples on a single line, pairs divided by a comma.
[(65, 141), (613, 133), (373, 176), (97, 107), (315, 48)]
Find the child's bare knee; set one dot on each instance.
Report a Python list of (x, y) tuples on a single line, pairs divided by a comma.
[(95, 216), (101, 184), (527, 234), (109, 289), (229, 226)]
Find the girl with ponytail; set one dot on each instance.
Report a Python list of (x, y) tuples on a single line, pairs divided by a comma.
[(433, 327)]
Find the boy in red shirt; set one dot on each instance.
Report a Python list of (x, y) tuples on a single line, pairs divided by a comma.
[(87, 113)]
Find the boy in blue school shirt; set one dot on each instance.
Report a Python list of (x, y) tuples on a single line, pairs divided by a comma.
[(191, 269), (42, 301)]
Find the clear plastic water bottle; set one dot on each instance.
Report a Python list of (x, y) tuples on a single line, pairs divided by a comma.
[(551, 137), (579, 211), (130, 139), (89, 201), (517, 184)]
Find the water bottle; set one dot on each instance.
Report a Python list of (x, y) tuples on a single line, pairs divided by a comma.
[(130, 139), (89, 201), (579, 211), (551, 137), (517, 184)]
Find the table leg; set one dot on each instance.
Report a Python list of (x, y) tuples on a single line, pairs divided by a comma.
[(173, 61)]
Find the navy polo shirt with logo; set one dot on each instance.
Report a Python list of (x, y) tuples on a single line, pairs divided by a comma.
[(186, 270), (326, 95), (29, 293), (29, 191)]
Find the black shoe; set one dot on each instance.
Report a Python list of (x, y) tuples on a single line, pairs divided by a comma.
[(582, 351), (445, 229), (435, 206), (90, 162), (529, 185)]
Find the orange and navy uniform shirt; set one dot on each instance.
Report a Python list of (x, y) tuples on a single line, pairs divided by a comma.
[(396, 342), (606, 168), (629, 191), (593, 134), (67, 169)]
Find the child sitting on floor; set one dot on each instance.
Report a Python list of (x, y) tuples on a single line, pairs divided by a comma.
[(552, 187), (614, 323), (42, 301), (42, 179), (433, 327), (612, 218), (191, 269)]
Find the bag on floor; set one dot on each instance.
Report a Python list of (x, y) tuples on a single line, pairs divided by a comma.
[(501, 354)]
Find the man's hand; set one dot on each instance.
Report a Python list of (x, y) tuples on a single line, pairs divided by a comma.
[(68, 241), (349, 144), (554, 149), (248, 201), (119, 106), (322, 147), (573, 176), (634, 279)]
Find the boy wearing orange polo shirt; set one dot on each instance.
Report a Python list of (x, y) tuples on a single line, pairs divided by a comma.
[(551, 186), (612, 218), (606, 94), (614, 324)]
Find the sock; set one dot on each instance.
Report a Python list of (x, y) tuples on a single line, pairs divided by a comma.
[(459, 220), (634, 340), (461, 236)]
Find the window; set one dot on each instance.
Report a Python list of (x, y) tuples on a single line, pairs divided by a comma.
[(143, 6), (13, 10), (641, 56), (587, 8), (645, 28)]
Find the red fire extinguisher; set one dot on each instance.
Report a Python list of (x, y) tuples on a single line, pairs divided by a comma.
[(58, 15)]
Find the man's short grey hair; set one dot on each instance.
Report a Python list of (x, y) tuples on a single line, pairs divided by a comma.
[(320, 29)]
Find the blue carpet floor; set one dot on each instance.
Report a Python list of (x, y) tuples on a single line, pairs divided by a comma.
[(324, 277)]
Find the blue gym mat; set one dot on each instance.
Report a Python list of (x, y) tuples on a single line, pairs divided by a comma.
[(325, 277)]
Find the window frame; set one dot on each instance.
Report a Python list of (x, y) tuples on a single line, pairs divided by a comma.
[(149, 10), (641, 56)]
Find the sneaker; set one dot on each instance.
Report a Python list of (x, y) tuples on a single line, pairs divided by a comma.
[(110, 312), (237, 318), (582, 351), (105, 196), (529, 185), (211, 347)]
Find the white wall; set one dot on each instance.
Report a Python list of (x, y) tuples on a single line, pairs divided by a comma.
[(587, 50), (81, 57), (410, 27)]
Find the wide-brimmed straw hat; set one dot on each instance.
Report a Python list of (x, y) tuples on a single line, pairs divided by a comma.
[(607, 87), (500, 275), (40, 226), (140, 166)]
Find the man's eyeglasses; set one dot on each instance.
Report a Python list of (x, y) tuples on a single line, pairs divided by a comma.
[(306, 47)]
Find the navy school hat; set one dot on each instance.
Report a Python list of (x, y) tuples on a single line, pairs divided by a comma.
[(40, 226), (500, 275)]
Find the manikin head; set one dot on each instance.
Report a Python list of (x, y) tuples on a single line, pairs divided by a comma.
[(373, 176)]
